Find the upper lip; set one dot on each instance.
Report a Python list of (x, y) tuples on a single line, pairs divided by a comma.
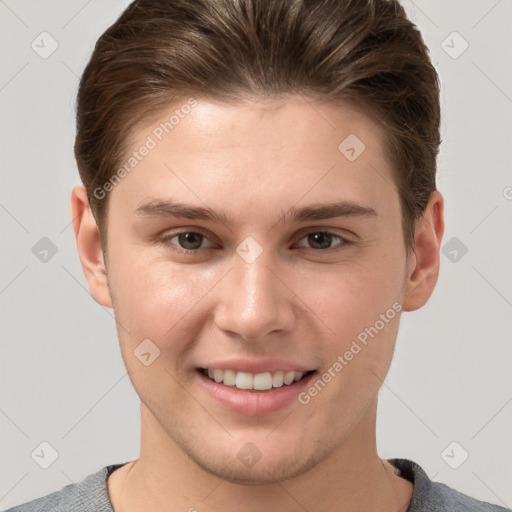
[(257, 366)]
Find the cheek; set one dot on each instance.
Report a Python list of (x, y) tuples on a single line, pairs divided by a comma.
[(160, 302), (352, 297), (156, 299), (363, 311)]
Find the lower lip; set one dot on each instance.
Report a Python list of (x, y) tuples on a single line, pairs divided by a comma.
[(253, 403)]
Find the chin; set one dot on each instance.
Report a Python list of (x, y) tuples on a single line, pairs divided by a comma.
[(262, 462), (267, 471)]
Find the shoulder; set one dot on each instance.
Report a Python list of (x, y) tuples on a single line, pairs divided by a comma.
[(89, 494), (431, 496)]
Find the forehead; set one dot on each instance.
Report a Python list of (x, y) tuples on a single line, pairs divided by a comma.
[(258, 153)]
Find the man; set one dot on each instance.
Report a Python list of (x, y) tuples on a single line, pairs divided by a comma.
[(259, 207)]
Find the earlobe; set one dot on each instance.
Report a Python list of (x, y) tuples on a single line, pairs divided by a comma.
[(88, 243), (425, 259)]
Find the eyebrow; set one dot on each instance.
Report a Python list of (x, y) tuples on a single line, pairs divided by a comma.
[(169, 208)]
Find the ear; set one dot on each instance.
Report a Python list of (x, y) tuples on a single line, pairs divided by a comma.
[(424, 260), (88, 243)]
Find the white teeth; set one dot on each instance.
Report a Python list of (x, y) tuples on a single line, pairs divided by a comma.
[(258, 381), (243, 380), (229, 377), (288, 377), (262, 381), (278, 379)]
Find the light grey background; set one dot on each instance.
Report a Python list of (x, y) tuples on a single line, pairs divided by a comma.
[(62, 377)]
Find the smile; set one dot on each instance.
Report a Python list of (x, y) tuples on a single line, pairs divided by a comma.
[(254, 381)]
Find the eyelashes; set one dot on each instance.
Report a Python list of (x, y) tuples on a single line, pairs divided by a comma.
[(191, 241), (324, 236)]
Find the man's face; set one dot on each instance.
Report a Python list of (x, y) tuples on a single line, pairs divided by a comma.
[(274, 283)]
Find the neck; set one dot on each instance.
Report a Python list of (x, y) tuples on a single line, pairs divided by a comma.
[(351, 478)]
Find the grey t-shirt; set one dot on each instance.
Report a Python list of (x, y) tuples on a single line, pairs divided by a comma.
[(91, 495)]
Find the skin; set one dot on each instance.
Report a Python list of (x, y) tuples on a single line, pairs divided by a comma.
[(254, 162)]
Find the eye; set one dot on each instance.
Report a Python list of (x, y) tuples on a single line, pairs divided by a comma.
[(323, 240), (193, 241), (186, 241)]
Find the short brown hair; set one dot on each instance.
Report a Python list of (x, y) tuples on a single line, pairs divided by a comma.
[(363, 51)]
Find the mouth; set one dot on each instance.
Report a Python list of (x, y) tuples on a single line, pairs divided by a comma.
[(255, 382)]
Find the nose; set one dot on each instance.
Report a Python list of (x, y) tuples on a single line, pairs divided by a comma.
[(254, 300)]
